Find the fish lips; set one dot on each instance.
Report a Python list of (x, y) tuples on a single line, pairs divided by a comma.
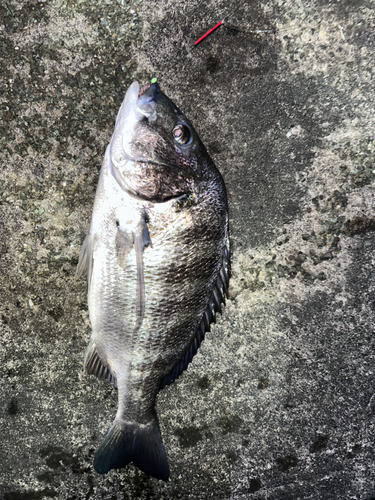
[(147, 96), (148, 93)]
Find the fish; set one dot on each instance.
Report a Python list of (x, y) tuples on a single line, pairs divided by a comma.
[(157, 262)]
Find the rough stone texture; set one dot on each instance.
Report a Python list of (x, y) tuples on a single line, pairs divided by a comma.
[(279, 402)]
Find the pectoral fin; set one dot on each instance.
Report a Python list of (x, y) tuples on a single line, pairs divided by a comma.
[(142, 240), (124, 242)]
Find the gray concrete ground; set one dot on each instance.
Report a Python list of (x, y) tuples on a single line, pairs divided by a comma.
[(279, 403)]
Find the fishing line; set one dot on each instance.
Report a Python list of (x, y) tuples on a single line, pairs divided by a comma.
[(229, 27), (235, 28)]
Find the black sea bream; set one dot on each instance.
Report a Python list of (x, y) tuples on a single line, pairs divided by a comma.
[(157, 264)]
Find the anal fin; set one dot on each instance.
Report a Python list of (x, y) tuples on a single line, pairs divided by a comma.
[(94, 365)]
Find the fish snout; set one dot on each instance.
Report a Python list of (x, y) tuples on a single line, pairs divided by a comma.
[(147, 93), (146, 98)]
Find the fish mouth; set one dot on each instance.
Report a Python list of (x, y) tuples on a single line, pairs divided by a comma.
[(150, 89), (147, 95), (143, 89), (139, 103)]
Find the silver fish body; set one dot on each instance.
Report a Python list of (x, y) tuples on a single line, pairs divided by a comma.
[(157, 264)]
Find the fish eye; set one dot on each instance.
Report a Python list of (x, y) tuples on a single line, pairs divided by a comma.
[(181, 134)]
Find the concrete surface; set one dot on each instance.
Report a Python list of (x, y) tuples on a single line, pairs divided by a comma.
[(279, 403)]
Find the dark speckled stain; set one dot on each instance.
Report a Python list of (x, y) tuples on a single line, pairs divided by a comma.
[(46, 476), (286, 463), (319, 444), (215, 148), (17, 20), (204, 382), (255, 485), (13, 406), (232, 456), (263, 383), (142, 486), (188, 436), (231, 423), (56, 313), (362, 35), (213, 64), (90, 483), (357, 448), (359, 225), (56, 458)]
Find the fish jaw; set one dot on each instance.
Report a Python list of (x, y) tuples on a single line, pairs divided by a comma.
[(133, 109), (127, 117)]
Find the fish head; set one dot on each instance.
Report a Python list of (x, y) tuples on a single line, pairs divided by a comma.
[(155, 152)]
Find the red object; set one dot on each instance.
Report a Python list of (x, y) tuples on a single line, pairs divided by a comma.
[(208, 32)]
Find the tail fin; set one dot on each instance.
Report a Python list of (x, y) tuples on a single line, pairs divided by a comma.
[(140, 444)]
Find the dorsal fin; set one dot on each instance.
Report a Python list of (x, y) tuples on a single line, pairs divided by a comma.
[(94, 365), (214, 305)]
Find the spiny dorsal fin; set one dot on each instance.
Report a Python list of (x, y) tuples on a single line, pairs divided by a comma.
[(214, 305), (94, 365)]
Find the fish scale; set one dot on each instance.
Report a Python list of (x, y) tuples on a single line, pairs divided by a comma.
[(157, 263)]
